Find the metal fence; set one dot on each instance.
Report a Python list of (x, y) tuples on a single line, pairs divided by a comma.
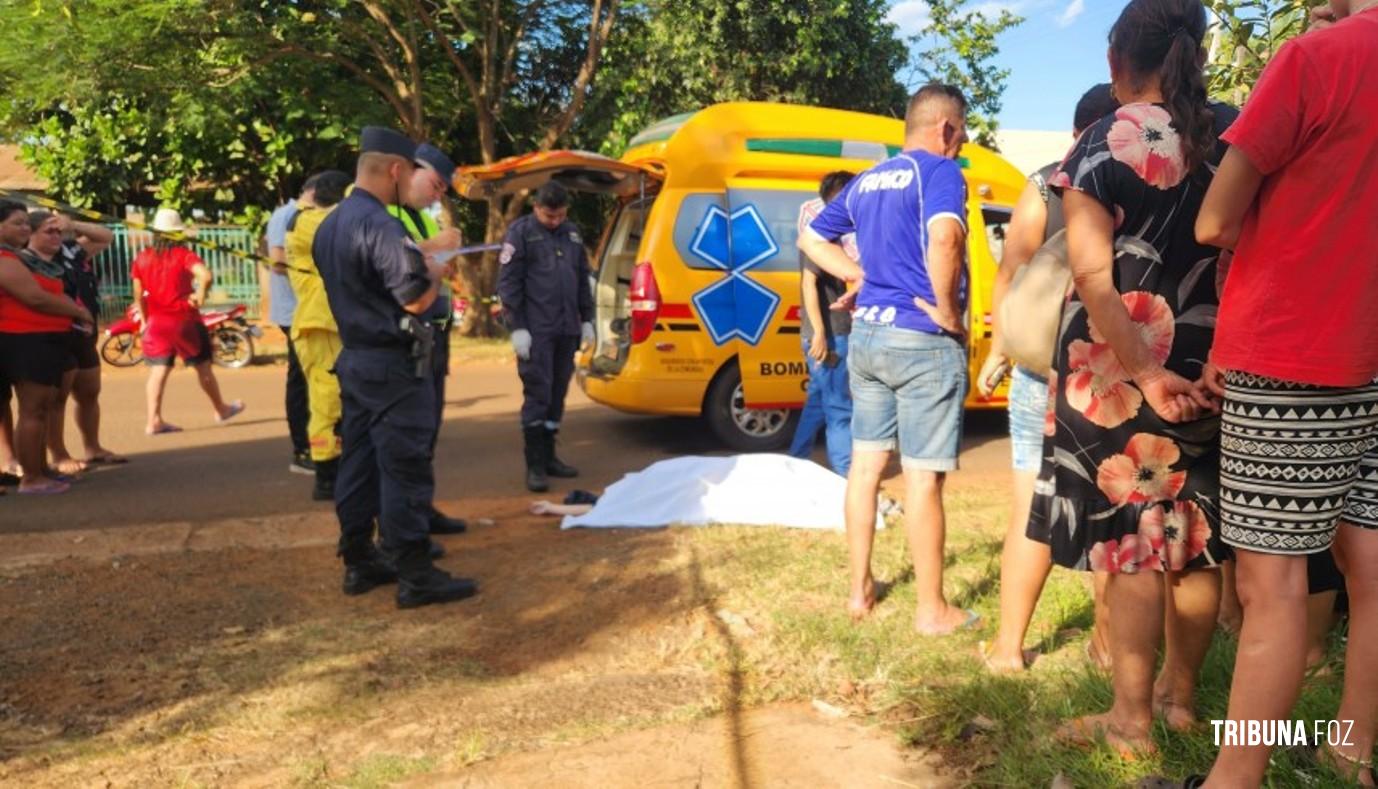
[(236, 279)]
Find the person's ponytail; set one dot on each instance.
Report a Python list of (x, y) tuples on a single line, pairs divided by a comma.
[(1165, 37), (1184, 92)]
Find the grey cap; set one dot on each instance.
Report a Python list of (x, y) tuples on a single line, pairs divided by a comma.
[(378, 139)]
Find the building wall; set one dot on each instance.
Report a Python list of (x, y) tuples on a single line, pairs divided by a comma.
[(1030, 151)]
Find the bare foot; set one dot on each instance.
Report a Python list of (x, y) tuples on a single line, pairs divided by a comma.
[(1178, 713), (42, 486), (1129, 743), (1177, 717), (1098, 653), (68, 465), (949, 621), (997, 662), (860, 605)]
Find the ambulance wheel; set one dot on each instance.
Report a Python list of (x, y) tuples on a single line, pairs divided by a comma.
[(741, 428)]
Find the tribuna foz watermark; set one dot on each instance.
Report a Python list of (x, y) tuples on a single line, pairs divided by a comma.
[(1281, 734)]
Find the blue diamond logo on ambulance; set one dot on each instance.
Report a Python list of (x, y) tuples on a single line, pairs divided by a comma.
[(735, 306)]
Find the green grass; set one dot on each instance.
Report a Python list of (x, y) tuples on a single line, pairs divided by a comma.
[(790, 586), (382, 770)]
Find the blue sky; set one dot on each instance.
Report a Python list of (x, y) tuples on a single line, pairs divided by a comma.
[(1053, 57)]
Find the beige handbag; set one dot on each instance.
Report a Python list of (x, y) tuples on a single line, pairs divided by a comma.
[(1031, 313)]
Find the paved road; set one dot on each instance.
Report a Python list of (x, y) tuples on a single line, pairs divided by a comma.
[(238, 472)]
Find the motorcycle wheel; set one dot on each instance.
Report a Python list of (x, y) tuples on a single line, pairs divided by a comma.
[(122, 350), (232, 347)]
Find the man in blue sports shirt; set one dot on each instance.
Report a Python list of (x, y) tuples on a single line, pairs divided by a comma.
[(908, 347)]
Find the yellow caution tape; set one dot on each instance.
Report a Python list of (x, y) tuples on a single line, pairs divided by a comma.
[(96, 216)]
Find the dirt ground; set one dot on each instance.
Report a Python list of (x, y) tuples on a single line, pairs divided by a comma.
[(178, 621)]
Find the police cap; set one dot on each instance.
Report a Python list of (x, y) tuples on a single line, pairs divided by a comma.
[(434, 158), (377, 139)]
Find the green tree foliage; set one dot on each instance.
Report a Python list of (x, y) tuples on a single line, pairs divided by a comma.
[(675, 56), (227, 104), (140, 102), (1247, 35), (958, 46)]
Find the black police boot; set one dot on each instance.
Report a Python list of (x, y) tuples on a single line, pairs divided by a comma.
[(392, 558), (365, 569), (536, 481), (444, 524), (421, 583), (326, 472), (553, 465)]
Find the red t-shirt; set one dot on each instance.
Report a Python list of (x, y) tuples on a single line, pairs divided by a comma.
[(18, 318), (167, 279), (1301, 300)]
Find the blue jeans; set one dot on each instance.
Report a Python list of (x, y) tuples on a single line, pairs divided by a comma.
[(828, 406)]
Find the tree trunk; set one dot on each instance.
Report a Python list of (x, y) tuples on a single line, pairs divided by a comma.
[(481, 279)]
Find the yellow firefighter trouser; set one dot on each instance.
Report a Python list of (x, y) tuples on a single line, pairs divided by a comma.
[(318, 349)]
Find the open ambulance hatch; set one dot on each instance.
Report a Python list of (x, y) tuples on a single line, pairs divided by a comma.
[(578, 171), (615, 262)]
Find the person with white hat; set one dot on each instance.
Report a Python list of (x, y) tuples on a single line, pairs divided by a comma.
[(170, 285)]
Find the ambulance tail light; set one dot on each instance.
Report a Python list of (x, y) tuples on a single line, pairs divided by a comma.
[(645, 302)]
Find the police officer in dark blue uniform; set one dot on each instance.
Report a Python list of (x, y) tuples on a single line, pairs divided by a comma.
[(544, 286), (430, 183), (378, 284)]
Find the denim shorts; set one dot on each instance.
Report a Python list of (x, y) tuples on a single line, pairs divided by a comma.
[(908, 391), (1028, 414)]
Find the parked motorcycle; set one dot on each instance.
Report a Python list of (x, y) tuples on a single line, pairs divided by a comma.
[(232, 338)]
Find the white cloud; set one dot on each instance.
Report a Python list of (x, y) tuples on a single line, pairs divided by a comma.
[(1071, 13), (910, 16)]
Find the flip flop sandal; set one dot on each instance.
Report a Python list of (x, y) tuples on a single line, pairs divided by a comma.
[(51, 488), (973, 620), (8, 479), (236, 408), (109, 459), (1077, 734), (1311, 756), (161, 429)]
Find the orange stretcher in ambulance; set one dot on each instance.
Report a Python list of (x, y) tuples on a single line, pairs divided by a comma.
[(697, 291)]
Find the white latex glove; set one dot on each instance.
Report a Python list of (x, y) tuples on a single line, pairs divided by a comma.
[(586, 336), (521, 343)]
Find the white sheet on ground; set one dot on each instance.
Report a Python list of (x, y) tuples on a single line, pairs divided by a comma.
[(748, 490)]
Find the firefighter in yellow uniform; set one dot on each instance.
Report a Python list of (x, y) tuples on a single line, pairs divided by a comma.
[(315, 334)]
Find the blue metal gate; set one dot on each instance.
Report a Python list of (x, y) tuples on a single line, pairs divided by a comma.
[(236, 278)]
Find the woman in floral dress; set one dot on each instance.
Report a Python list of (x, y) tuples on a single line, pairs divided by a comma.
[(1129, 479)]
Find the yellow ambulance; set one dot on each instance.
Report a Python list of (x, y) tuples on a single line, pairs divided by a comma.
[(697, 271)]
